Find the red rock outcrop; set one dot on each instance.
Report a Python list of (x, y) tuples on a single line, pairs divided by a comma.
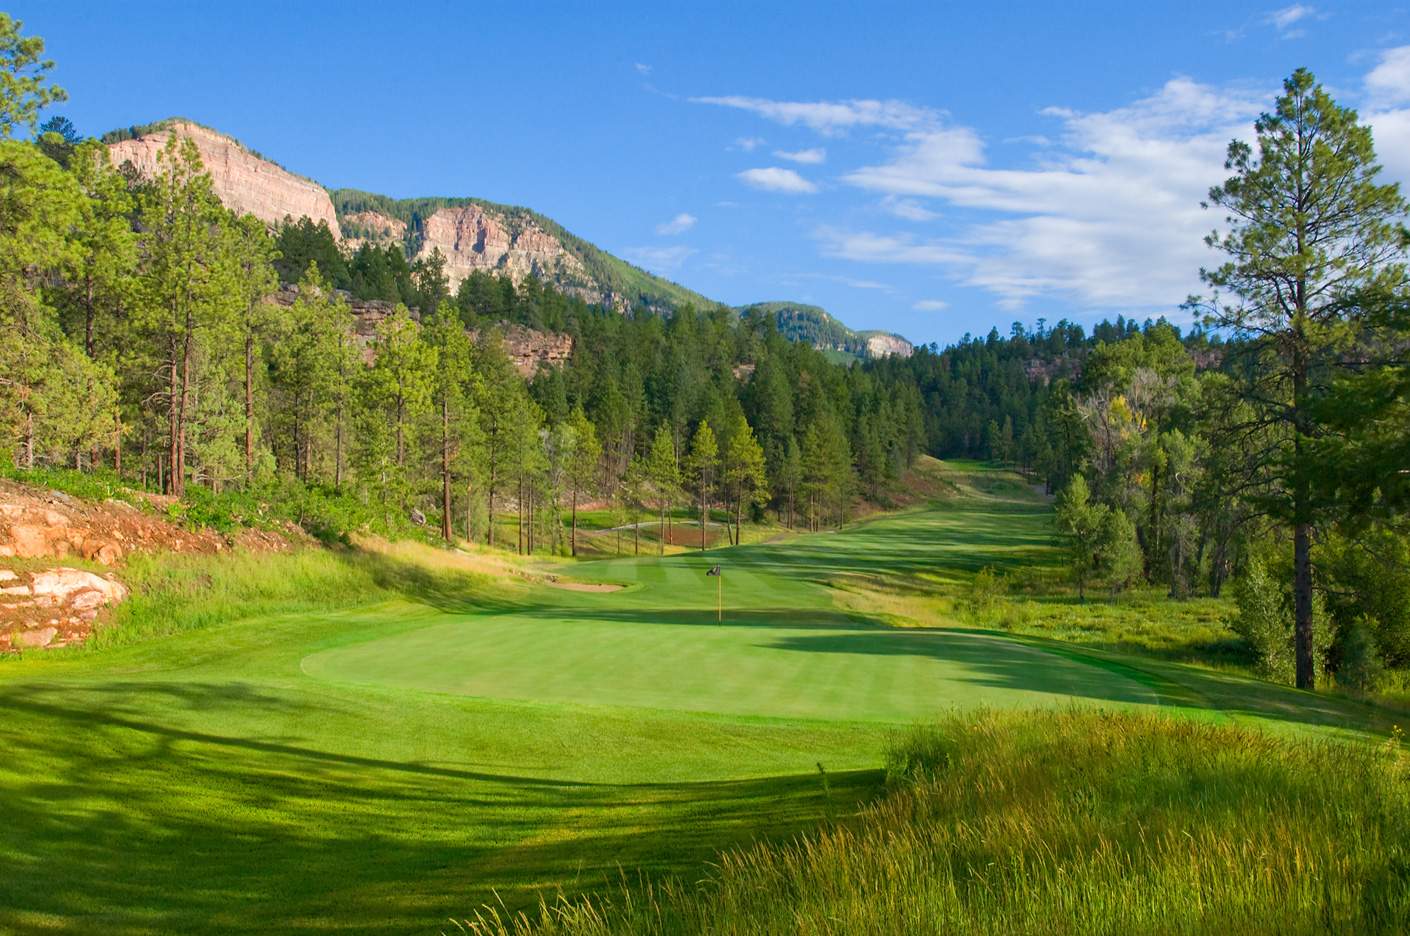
[(530, 349), (52, 607), (371, 227), (472, 239), (244, 182), (36, 524)]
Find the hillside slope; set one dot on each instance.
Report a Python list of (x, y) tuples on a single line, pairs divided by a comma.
[(813, 324), (474, 235)]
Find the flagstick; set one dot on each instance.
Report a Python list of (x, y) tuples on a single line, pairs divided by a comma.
[(720, 596)]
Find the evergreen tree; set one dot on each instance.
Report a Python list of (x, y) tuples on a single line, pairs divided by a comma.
[(1310, 230), (701, 468), (584, 459)]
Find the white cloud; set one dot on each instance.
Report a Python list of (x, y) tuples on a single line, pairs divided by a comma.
[(774, 179), (831, 118), (1109, 215), (930, 305), (747, 143), (1388, 83), (907, 208), (882, 248), (659, 259), (644, 69), (1388, 112), (1282, 19), (677, 225), (813, 157)]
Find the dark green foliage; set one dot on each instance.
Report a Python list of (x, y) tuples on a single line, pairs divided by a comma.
[(301, 243)]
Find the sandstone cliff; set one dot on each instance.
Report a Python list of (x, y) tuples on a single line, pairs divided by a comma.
[(243, 181), (883, 344), (472, 239)]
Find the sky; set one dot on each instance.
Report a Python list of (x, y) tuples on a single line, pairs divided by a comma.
[(932, 169)]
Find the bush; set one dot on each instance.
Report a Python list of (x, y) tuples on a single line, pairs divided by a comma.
[(1265, 620), (1360, 668)]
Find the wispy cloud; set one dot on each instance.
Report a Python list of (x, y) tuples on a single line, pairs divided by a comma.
[(774, 179), (831, 118), (813, 157), (677, 225), (659, 259), (930, 305), (644, 69), (1282, 20), (907, 208), (1109, 215), (748, 144)]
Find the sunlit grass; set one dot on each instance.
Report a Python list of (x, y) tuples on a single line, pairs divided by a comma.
[(1061, 822)]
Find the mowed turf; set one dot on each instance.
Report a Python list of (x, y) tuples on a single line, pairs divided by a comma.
[(391, 767), (787, 664)]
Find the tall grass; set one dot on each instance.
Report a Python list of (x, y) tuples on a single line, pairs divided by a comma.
[(173, 593), (1063, 822)]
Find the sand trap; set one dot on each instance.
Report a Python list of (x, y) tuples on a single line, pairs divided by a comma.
[(585, 586)]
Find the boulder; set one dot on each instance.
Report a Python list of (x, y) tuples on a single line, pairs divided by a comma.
[(35, 638)]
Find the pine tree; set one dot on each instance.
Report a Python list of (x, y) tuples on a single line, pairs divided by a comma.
[(584, 460), (701, 467), (1310, 231)]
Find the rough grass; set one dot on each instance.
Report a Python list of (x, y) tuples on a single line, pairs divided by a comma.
[(1062, 822)]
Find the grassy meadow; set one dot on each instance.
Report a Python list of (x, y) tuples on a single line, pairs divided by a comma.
[(390, 738)]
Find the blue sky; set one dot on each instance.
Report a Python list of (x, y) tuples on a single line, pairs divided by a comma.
[(932, 169)]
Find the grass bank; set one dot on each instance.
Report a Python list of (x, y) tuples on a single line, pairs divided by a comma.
[(1063, 822)]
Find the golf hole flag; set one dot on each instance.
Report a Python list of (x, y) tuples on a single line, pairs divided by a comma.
[(714, 571), (719, 593)]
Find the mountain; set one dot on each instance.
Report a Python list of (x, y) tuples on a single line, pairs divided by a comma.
[(472, 234), (813, 324)]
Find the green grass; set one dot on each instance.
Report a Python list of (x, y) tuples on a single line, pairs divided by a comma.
[(1067, 822), (370, 740)]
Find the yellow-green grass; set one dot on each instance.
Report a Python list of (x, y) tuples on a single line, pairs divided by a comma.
[(1069, 822), (331, 763)]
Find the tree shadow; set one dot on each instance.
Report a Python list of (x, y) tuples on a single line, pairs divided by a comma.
[(124, 825)]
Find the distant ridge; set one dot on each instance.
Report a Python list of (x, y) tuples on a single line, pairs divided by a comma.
[(472, 234)]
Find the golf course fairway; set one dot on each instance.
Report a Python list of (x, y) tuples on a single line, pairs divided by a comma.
[(396, 765)]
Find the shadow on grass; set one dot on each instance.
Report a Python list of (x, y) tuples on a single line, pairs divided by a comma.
[(119, 825)]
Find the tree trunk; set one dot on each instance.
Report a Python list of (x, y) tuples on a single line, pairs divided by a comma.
[(704, 520), (1302, 603), (445, 471), (249, 405), (575, 522), (173, 417), (117, 444), (1302, 530), (521, 516)]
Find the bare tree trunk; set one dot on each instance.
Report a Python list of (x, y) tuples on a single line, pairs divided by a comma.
[(117, 444), (249, 404), (173, 419), (521, 516), (575, 521), (445, 470)]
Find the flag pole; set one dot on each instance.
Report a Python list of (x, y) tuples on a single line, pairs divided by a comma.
[(720, 596)]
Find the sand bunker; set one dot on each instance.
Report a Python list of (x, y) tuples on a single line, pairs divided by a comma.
[(585, 586)]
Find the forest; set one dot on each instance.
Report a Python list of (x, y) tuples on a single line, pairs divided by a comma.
[(1264, 446)]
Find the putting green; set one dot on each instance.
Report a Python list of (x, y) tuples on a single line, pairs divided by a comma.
[(659, 645)]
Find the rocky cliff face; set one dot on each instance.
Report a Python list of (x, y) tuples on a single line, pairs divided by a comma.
[(474, 240), (882, 345), (244, 182), (371, 227)]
